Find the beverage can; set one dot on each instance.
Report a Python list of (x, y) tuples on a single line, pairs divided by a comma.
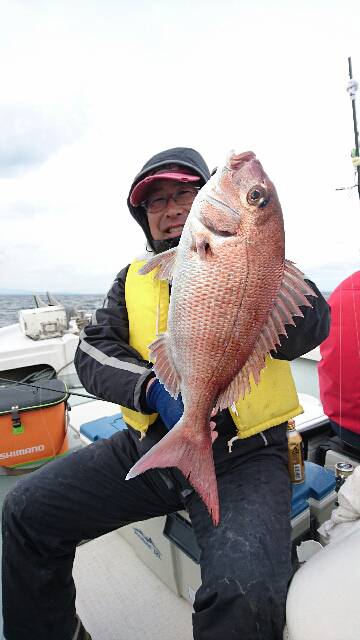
[(342, 471)]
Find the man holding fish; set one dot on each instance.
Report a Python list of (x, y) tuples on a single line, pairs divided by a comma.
[(194, 342)]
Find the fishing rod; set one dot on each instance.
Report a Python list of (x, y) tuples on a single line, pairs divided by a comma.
[(352, 90), (37, 386)]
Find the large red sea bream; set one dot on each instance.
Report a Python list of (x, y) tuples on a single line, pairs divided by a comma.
[(232, 293)]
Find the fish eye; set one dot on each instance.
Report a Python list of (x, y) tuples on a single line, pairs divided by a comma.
[(257, 196)]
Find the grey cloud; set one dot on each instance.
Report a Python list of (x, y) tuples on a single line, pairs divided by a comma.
[(27, 266), (29, 136), (21, 209)]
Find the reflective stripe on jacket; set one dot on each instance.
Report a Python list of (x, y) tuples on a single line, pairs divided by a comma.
[(273, 401)]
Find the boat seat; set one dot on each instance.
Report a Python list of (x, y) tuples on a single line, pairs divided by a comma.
[(323, 598)]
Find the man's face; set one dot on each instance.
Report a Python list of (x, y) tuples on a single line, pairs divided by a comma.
[(166, 216)]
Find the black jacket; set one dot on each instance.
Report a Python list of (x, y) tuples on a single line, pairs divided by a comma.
[(112, 370)]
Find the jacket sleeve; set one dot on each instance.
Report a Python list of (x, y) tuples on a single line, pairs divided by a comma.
[(106, 364), (309, 331)]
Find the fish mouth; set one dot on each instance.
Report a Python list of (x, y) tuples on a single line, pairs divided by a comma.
[(237, 160)]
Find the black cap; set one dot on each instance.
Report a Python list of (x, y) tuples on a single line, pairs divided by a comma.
[(180, 156)]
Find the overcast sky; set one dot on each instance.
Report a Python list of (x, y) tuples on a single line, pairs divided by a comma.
[(90, 89)]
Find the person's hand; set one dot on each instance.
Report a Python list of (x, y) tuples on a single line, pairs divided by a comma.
[(170, 410), (161, 402)]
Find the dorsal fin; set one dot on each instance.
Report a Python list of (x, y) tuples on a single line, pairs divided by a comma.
[(165, 261)]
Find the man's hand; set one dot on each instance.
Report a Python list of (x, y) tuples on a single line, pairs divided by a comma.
[(161, 402), (170, 410)]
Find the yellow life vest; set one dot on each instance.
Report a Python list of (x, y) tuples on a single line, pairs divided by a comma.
[(147, 303), (273, 401)]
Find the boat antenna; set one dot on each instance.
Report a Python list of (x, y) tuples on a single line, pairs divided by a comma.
[(352, 88)]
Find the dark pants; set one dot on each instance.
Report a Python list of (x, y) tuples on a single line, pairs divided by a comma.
[(245, 561)]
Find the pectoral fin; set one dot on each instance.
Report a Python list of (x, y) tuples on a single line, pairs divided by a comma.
[(164, 365), (165, 261)]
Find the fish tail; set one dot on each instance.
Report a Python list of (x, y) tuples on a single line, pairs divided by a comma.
[(192, 456)]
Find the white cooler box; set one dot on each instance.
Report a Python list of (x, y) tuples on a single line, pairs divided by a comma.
[(151, 546), (167, 545), (187, 553)]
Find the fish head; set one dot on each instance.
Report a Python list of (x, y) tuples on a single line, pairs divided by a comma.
[(241, 201)]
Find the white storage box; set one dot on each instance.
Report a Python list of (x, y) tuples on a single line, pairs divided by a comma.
[(151, 546), (300, 526), (322, 509), (333, 457), (167, 546), (186, 554), (44, 322)]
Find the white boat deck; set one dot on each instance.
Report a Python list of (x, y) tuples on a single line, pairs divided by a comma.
[(119, 598)]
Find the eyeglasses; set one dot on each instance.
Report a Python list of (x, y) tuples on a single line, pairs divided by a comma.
[(182, 197)]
